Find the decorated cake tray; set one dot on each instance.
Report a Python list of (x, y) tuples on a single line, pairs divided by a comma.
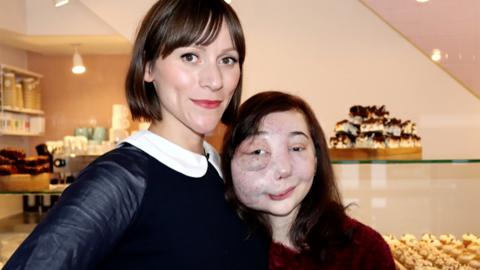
[(376, 154), (371, 134)]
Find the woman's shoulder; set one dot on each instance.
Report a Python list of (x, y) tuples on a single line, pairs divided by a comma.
[(125, 168), (124, 153)]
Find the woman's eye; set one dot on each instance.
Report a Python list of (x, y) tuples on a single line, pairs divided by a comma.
[(189, 57), (229, 60)]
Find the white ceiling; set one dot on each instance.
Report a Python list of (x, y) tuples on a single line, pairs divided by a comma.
[(451, 26), (108, 26)]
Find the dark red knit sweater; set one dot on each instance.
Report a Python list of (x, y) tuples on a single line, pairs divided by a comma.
[(367, 250)]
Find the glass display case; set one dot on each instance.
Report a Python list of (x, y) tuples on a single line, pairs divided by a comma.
[(437, 196)]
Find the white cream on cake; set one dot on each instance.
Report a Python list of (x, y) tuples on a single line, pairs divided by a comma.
[(347, 127), (372, 125)]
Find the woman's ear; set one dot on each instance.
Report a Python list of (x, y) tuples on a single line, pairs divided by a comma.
[(148, 76)]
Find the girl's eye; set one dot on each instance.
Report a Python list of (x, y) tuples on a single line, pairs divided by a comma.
[(229, 60), (189, 57), (297, 148), (257, 152)]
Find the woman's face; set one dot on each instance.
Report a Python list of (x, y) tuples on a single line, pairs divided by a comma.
[(273, 170), (195, 83)]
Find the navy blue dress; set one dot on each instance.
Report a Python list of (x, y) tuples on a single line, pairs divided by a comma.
[(127, 210)]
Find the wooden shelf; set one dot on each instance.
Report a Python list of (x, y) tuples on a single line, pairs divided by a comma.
[(413, 153), (23, 111), (20, 71)]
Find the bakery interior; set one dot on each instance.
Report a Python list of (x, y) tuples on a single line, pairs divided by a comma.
[(420, 60)]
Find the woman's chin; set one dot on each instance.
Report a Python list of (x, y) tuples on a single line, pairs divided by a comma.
[(205, 128)]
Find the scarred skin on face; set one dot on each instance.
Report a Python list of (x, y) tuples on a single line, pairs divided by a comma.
[(272, 171)]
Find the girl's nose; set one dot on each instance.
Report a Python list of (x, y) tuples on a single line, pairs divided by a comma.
[(283, 166)]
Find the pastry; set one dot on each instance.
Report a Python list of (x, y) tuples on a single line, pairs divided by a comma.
[(12, 153)]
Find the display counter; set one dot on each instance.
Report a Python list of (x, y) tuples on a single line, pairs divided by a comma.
[(395, 197)]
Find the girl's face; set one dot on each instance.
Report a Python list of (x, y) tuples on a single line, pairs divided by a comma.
[(273, 170), (195, 83)]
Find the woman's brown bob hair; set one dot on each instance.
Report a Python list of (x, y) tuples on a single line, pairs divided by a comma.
[(321, 215), (170, 24)]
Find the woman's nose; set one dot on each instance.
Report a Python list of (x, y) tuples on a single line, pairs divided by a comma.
[(211, 77)]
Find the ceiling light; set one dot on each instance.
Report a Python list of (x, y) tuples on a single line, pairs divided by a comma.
[(436, 55), (59, 3), (422, 1), (78, 67)]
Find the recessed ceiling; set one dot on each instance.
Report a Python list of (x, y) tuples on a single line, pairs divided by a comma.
[(450, 26), (111, 44)]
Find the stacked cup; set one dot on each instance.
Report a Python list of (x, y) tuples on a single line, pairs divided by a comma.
[(120, 123), (9, 90), (28, 93)]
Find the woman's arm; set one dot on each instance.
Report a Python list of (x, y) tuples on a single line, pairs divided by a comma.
[(87, 221)]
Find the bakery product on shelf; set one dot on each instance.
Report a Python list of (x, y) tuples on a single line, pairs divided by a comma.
[(8, 169), (372, 140), (346, 127), (13, 161), (19, 173), (12, 153), (341, 141), (432, 252), (370, 127)]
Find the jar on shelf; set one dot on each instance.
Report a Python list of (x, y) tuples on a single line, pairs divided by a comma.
[(19, 94), (9, 90), (28, 93), (38, 95)]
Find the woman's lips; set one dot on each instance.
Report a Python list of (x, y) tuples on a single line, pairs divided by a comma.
[(207, 103), (281, 196)]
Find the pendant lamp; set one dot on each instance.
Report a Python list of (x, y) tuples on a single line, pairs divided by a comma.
[(78, 67)]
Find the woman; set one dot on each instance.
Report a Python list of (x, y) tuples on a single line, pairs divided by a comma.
[(279, 178), (156, 202)]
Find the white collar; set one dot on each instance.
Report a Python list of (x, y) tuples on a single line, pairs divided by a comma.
[(174, 156)]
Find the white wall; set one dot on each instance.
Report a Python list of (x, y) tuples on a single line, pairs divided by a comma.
[(338, 53), (13, 15), (10, 205), (71, 19)]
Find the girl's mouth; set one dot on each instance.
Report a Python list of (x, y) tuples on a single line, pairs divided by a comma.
[(281, 196)]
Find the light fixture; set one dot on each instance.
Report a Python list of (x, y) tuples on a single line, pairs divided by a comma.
[(422, 1), (436, 55), (59, 3), (78, 67)]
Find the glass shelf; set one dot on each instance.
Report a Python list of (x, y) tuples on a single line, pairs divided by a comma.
[(406, 161)]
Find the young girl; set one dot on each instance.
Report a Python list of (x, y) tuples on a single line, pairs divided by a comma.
[(279, 178), (156, 202)]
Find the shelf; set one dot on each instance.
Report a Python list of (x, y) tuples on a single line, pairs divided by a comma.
[(407, 161), (54, 190), (46, 192), (20, 71), (18, 133), (23, 111)]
